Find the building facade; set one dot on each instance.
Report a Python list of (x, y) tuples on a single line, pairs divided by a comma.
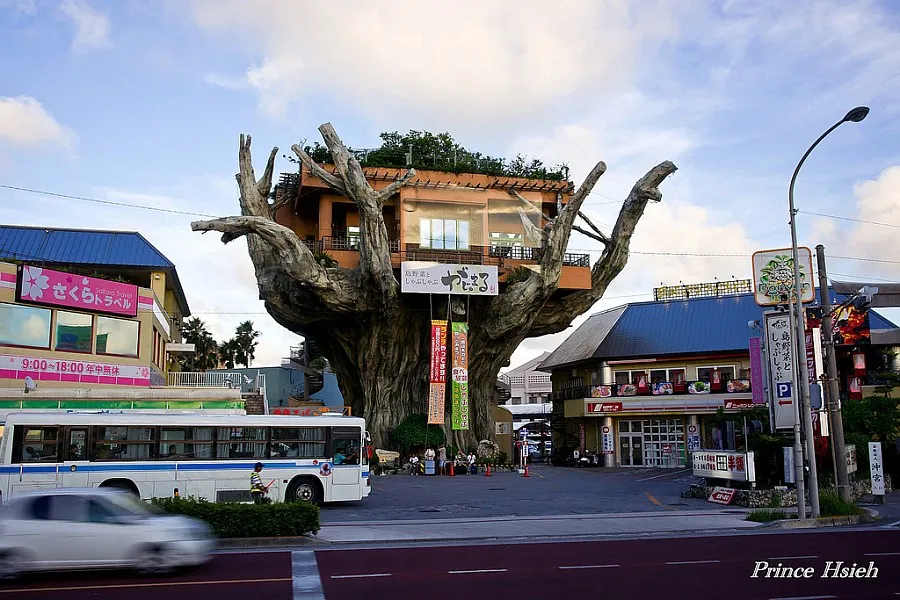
[(91, 320), (526, 384)]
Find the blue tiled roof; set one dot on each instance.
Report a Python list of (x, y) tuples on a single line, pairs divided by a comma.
[(54, 246), (80, 246)]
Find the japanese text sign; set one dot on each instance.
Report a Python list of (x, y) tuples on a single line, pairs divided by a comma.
[(56, 288), (459, 410), (438, 388), (781, 368), (876, 468), (773, 276), (720, 464), (440, 278)]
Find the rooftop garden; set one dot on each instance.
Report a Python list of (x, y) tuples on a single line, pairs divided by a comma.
[(424, 150)]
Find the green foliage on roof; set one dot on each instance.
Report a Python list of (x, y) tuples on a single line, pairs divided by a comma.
[(440, 152)]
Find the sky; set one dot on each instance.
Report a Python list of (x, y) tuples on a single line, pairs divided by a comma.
[(143, 103)]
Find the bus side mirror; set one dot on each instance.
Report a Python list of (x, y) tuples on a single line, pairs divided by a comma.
[(368, 437)]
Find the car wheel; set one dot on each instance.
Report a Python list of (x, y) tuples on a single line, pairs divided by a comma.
[(304, 490), (10, 565), (155, 560)]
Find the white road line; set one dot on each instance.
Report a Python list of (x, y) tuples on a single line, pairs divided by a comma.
[(588, 567), (692, 562), (305, 572), (803, 598), (478, 571), (361, 576), (663, 475), (791, 557), (882, 554)]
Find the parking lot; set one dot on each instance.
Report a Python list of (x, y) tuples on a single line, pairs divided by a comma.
[(548, 491)]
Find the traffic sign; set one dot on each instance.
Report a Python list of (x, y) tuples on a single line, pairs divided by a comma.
[(783, 389), (523, 432), (605, 429), (692, 429)]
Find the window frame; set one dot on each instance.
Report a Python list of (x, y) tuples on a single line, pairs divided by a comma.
[(49, 326), (193, 443), (300, 441), (97, 441), (96, 332), (460, 244), (55, 332), (733, 367)]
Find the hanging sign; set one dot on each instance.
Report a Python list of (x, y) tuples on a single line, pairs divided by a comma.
[(460, 404), (441, 278), (438, 388), (756, 371), (773, 276), (876, 468), (781, 368), (608, 445)]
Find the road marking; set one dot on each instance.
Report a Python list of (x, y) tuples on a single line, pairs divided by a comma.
[(664, 475), (588, 566), (791, 557), (803, 598), (656, 502), (361, 576), (77, 588), (477, 571), (882, 554), (692, 562), (305, 572)]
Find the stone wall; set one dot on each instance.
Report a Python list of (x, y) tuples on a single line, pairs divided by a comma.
[(764, 498)]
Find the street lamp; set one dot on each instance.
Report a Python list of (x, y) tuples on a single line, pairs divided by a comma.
[(855, 115)]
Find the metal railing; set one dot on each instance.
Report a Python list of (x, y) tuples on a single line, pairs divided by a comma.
[(219, 379)]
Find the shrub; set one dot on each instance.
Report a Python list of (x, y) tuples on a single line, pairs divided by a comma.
[(235, 520), (831, 505), (766, 515), (413, 431)]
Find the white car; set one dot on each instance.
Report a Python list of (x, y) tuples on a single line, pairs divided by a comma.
[(63, 529)]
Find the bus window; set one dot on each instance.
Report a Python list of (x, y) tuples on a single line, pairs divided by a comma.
[(241, 442), (39, 444), (124, 443), (185, 443), (298, 442)]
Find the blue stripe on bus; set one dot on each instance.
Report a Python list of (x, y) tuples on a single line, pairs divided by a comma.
[(165, 466)]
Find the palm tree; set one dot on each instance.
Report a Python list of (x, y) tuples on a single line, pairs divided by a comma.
[(206, 355), (245, 343), (228, 353)]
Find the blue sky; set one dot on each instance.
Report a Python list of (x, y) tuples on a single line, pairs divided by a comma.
[(143, 103)]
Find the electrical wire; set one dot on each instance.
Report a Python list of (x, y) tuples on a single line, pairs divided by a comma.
[(817, 214), (108, 202)]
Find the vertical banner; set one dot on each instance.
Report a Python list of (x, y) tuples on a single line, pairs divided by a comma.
[(459, 414), (756, 371), (876, 468), (438, 388), (781, 368)]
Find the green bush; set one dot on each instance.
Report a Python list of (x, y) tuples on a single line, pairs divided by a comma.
[(235, 520), (766, 515), (413, 432), (831, 505)]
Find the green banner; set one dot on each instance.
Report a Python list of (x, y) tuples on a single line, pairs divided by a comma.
[(459, 415)]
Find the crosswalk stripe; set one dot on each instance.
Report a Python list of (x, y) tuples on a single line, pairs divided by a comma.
[(305, 571)]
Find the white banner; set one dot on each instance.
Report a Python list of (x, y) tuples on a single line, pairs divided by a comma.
[(609, 446), (781, 368), (876, 468), (439, 278), (724, 464)]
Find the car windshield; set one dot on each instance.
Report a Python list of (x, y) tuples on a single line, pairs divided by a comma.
[(127, 505)]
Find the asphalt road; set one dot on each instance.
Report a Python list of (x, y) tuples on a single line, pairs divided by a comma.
[(670, 568), (548, 491)]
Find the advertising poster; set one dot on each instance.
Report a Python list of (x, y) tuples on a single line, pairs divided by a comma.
[(459, 412), (438, 387)]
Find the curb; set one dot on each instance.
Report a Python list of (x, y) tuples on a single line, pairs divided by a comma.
[(268, 542)]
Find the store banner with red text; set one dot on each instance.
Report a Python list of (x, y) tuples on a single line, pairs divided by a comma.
[(437, 389)]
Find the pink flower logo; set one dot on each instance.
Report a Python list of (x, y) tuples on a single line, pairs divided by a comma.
[(33, 283)]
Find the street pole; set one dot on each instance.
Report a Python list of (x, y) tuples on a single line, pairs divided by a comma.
[(842, 478), (798, 447), (856, 115)]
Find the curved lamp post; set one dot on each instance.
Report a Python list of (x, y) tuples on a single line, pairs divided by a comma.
[(855, 116)]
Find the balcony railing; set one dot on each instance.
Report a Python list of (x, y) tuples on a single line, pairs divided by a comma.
[(700, 388), (215, 379), (474, 255)]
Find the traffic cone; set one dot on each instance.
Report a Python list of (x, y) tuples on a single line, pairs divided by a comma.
[(525, 474), (452, 473), (487, 471)]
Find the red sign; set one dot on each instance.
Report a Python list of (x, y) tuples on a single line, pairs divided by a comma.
[(56, 288), (722, 495), (740, 403), (438, 351), (604, 407)]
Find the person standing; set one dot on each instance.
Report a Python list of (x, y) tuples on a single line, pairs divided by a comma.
[(472, 468), (442, 459), (257, 489)]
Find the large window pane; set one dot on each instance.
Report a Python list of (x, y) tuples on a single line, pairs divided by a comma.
[(124, 443), (437, 234), (39, 444), (74, 331), (117, 336), (425, 233), (24, 326), (241, 442), (450, 234), (185, 443), (463, 235)]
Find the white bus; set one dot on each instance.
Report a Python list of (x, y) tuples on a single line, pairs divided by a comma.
[(316, 459)]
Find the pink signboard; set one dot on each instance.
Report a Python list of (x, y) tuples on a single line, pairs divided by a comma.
[(73, 371), (44, 286), (756, 371)]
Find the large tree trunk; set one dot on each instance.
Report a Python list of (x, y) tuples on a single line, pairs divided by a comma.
[(377, 339)]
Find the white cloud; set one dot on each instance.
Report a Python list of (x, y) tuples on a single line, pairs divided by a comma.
[(25, 7), (460, 61), (91, 27), (25, 123)]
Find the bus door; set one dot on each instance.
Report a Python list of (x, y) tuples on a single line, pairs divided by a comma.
[(346, 442), (75, 457)]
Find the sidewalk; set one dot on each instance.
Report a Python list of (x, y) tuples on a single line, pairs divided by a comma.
[(534, 527)]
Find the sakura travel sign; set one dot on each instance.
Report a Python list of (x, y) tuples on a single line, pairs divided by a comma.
[(440, 278), (56, 288), (773, 275)]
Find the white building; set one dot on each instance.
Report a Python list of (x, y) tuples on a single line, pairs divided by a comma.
[(527, 385)]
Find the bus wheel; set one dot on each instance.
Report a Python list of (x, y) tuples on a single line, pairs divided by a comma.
[(125, 485), (304, 489)]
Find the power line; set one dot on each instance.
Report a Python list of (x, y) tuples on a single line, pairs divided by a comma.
[(874, 260), (805, 212), (108, 202), (864, 277)]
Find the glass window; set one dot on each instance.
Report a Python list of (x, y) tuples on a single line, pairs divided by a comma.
[(658, 376), (69, 508), (185, 443), (463, 237), (353, 236), (437, 234), (100, 512), (298, 442), (124, 443), (117, 336), (24, 326), (346, 451), (425, 233), (241, 442), (74, 331), (622, 377), (450, 234), (39, 444)]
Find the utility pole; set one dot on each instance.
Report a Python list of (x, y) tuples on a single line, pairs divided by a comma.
[(834, 399)]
